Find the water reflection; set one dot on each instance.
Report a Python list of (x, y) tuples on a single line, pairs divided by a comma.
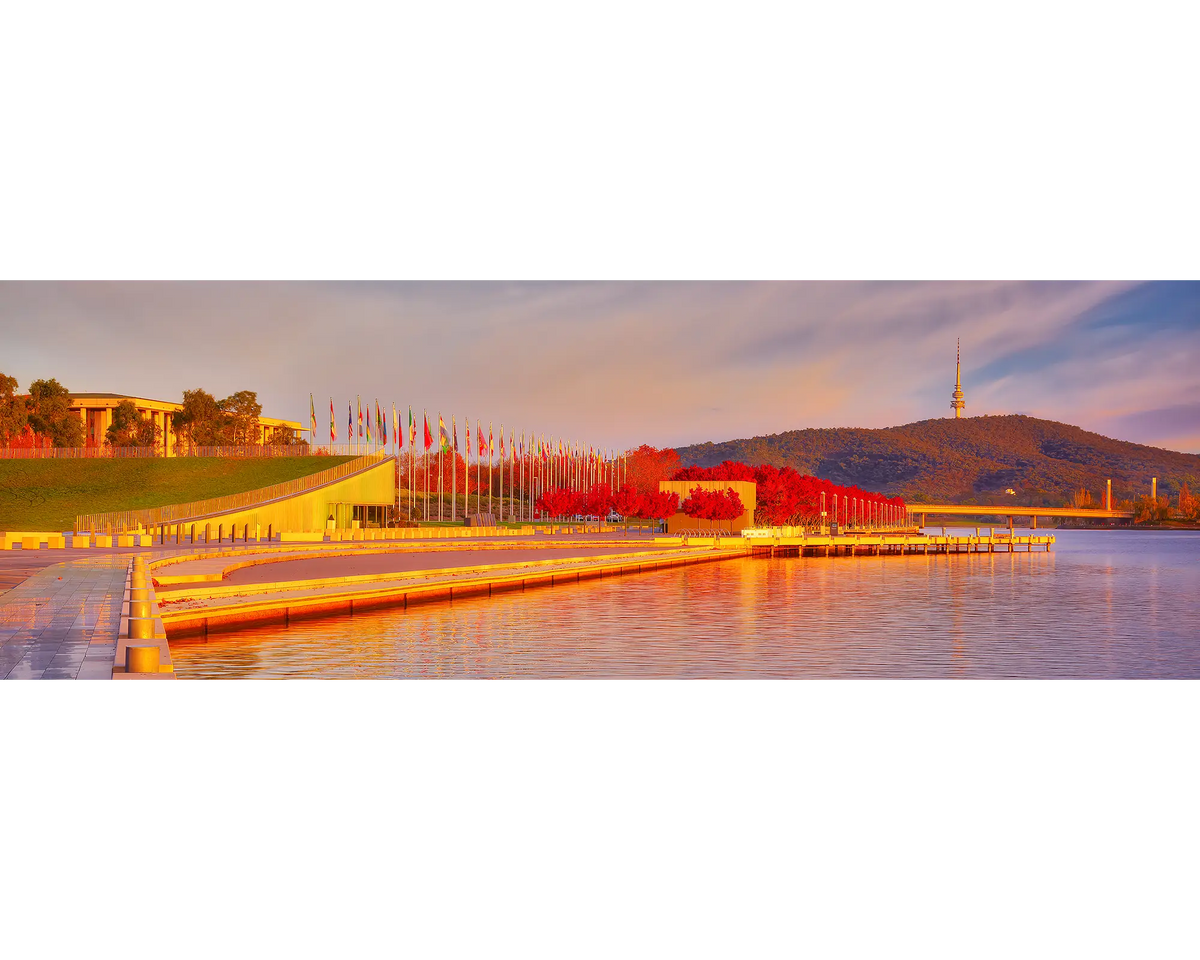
[(1104, 604)]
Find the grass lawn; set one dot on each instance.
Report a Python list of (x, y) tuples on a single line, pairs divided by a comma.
[(49, 494)]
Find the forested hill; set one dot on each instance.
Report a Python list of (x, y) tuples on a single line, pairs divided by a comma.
[(972, 460)]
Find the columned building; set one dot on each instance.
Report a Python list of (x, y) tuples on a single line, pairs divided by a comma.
[(96, 412)]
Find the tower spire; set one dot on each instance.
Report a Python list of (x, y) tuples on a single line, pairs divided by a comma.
[(957, 403)]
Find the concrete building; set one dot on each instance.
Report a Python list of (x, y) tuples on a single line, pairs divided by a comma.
[(96, 412), (746, 489)]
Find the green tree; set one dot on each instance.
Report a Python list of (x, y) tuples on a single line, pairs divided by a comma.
[(242, 412), (200, 423), (50, 414), (13, 413), (130, 429)]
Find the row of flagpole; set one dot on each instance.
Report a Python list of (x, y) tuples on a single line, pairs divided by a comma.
[(560, 463)]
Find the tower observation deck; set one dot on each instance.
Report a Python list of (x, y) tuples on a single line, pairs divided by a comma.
[(958, 403)]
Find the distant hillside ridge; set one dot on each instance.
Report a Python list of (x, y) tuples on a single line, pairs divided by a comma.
[(968, 460)]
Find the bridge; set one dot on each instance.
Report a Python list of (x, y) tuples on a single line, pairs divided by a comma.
[(1003, 510)]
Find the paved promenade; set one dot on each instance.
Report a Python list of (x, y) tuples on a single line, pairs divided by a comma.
[(60, 612), (62, 622)]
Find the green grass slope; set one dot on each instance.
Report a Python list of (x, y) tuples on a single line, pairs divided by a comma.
[(48, 494), (972, 460)]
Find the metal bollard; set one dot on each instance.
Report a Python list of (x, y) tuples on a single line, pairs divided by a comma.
[(142, 658), (139, 608)]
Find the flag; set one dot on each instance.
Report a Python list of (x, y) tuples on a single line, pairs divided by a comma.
[(332, 425), (443, 437), (467, 448), (482, 443), (312, 418), (428, 435), (349, 421), (501, 441), (412, 432), (382, 425), (368, 421), (360, 418), (491, 448), (395, 427), (454, 427)]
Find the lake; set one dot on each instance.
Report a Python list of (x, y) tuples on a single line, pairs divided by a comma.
[(1104, 603)]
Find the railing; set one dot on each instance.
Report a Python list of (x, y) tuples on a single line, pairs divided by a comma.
[(304, 449), (122, 520)]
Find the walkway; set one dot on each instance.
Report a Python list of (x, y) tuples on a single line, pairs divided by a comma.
[(62, 622)]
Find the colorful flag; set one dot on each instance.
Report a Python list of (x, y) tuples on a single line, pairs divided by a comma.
[(454, 427), (428, 435), (467, 448), (412, 432), (482, 443), (349, 421), (443, 437), (382, 425), (501, 441), (491, 447), (395, 426), (332, 425), (368, 421), (360, 433), (312, 418)]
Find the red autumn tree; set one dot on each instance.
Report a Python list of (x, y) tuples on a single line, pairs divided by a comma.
[(627, 502), (647, 465), (598, 500), (559, 502), (658, 505)]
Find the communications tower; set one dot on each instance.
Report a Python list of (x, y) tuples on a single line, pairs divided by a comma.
[(958, 404)]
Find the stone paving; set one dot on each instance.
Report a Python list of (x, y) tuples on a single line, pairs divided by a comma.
[(62, 622)]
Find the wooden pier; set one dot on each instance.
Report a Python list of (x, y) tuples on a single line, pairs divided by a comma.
[(890, 544)]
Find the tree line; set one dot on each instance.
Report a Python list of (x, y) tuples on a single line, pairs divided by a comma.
[(43, 416)]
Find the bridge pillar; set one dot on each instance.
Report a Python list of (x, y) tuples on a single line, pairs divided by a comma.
[(1033, 522)]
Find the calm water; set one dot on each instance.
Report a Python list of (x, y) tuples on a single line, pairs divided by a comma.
[(1101, 604)]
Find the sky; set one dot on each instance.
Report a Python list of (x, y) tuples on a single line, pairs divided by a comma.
[(616, 364)]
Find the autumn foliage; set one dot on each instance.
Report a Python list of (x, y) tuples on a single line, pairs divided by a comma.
[(713, 505), (786, 497), (647, 465)]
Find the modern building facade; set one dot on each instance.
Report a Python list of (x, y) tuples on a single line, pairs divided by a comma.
[(96, 412)]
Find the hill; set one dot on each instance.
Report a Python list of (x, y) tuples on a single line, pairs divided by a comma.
[(971, 460), (49, 494)]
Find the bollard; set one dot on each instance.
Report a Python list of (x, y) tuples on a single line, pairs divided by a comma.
[(142, 658), (139, 608), (141, 628), (139, 594)]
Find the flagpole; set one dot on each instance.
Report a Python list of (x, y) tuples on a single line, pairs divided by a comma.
[(500, 499), (490, 454), (454, 476), (425, 428)]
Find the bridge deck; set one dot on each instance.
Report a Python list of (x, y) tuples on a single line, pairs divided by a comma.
[(1004, 510)]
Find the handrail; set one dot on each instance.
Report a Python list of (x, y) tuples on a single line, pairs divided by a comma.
[(121, 520)]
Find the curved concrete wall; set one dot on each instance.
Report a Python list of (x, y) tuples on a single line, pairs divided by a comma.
[(309, 510)]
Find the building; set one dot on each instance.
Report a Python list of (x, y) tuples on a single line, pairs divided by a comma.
[(746, 489), (957, 402), (96, 412)]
